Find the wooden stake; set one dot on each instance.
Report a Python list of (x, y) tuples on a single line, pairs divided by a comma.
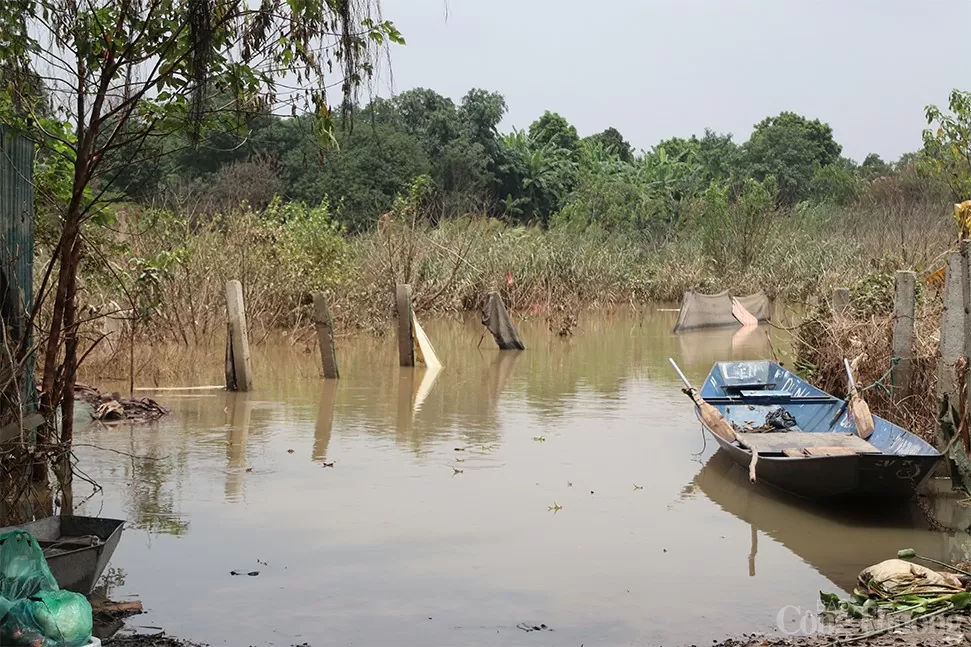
[(325, 336), (238, 354), (406, 344)]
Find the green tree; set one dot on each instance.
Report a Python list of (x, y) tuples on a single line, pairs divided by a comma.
[(551, 128), (835, 184), (613, 143), (362, 176), (716, 156), (873, 167), (537, 177), (825, 149), (790, 148), (461, 143), (947, 144)]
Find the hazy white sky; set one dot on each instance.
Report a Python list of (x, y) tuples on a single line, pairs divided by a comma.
[(659, 68)]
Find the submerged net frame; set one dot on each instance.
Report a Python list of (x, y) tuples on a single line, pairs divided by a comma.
[(700, 311)]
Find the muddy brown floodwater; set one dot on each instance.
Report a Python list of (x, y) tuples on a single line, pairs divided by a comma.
[(568, 486)]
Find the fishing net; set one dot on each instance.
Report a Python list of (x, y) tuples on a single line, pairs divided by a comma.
[(715, 310), (496, 319), (34, 610)]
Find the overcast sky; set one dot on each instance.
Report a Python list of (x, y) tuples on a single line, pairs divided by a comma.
[(659, 68)]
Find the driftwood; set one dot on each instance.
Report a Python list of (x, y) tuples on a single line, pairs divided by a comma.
[(131, 607)]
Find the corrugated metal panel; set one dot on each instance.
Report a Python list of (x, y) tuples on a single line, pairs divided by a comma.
[(17, 231)]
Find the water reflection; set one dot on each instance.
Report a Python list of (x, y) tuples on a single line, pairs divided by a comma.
[(393, 535), (239, 411), (837, 541), (325, 420)]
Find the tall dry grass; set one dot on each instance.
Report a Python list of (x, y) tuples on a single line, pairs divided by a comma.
[(824, 339), (168, 271)]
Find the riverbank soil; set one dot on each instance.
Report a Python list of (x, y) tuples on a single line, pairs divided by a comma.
[(953, 629)]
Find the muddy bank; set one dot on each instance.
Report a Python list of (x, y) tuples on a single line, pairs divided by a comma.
[(148, 640), (952, 629)]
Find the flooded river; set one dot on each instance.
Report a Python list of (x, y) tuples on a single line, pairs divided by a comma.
[(568, 486)]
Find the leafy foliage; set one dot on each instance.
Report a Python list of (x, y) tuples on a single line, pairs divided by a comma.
[(947, 144), (790, 148)]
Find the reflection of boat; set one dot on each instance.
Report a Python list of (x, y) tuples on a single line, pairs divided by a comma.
[(77, 549), (838, 541), (815, 453)]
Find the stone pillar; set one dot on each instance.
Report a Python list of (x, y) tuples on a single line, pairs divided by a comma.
[(904, 306)]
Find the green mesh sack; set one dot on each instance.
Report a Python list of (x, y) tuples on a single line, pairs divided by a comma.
[(34, 612), (49, 619), (23, 569)]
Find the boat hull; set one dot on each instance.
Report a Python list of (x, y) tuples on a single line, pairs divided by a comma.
[(807, 440), (856, 476), (76, 564)]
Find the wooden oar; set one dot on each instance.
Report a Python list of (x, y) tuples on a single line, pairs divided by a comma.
[(715, 421), (859, 409), (710, 416)]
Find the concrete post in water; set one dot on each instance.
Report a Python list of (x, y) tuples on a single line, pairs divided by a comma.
[(325, 336), (239, 376), (904, 306), (406, 344), (841, 301)]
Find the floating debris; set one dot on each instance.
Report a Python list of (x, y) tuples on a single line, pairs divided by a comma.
[(539, 439), (638, 487), (326, 464), (528, 627), (456, 470), (556, 507), (290, 451), (250, 573), (112, 408)]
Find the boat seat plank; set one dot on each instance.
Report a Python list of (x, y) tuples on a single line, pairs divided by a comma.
[(829, 451), (792, 452), (778, 442), (765, 393)]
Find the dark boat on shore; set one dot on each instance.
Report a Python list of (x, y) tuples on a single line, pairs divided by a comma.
[(806, 441), (77, 549)]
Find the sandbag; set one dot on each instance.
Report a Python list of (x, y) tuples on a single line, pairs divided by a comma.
[(894, 576)]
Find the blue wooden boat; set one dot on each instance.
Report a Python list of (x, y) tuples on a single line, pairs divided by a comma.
[(806, 440)]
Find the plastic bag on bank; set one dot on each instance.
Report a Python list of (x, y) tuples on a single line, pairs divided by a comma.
[(35, 611)]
